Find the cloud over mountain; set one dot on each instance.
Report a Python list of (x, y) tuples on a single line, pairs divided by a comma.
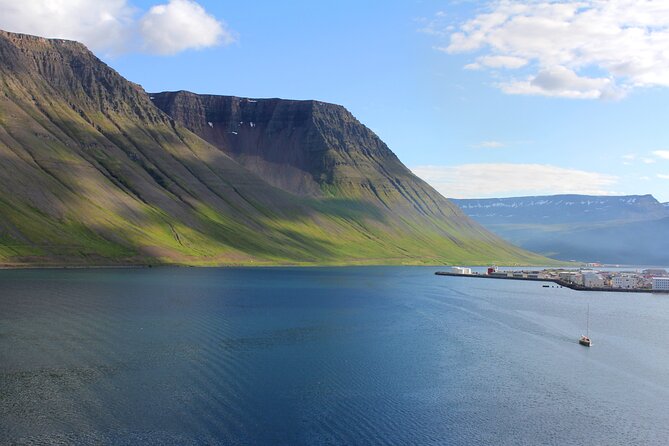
[(117, 26)]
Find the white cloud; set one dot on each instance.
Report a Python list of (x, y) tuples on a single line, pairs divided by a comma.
[(502, 61), (564, 83), (663, 176), (179, 25), (497, 180), (112, 27), (497, 62), (564, 42), (664, 154), (101, 24)]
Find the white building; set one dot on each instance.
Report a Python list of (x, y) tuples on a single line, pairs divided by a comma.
[(460, 270), (660, 283), (592, 280), (624, 281)]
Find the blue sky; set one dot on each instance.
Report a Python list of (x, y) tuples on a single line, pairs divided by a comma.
[(479, 98)]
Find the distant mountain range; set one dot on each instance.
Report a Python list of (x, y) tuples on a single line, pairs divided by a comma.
[(93, 170), (630, 229)]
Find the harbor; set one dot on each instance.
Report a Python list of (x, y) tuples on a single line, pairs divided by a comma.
[(645, 281)]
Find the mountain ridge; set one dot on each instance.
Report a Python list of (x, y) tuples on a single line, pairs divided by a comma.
[(93, 172), (570, 206), (611, 229), (316, 160)]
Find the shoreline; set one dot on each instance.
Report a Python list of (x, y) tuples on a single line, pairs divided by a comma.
[(27, 267), (562, 283), (241, 265)]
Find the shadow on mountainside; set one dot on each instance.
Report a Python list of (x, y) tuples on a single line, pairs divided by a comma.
[(127, 192)]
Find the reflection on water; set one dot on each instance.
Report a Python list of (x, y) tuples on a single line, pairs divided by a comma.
[(324, 356)]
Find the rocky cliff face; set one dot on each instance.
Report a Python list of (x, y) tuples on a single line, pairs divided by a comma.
[(309, 148), (92, 172), (274, 138)]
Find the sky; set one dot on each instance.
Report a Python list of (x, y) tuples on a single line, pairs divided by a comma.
[(479, 98)]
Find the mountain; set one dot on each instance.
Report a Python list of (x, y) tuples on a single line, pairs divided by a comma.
[(633, 243), (308, 148), (610, 229), (563, 209), (93, 172)]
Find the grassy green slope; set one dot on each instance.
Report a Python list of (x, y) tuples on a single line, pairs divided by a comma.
[(91, 172)]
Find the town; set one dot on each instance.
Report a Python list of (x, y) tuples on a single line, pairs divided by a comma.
[(647, 280)]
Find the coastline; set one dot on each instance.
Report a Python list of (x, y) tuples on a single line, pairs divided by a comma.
[(370, 262), (562, 283)]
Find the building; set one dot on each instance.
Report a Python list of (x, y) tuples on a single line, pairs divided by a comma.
[(624, 281), (660, 283), (571, 276), (592, 279), (460, 270)]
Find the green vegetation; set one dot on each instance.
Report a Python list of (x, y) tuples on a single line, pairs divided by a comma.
[(92, 173)]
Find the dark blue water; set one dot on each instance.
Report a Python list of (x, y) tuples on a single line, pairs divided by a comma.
[(325, 356)]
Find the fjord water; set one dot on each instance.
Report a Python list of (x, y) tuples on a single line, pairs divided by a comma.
[(369, 355)]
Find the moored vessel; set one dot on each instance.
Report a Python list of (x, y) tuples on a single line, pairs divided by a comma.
[(585, 339)]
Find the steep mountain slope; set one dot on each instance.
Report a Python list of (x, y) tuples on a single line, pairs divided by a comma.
[(308, 148), (611, 229), (92, 172)]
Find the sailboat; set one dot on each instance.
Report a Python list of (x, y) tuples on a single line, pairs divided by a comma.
[(585, 339)]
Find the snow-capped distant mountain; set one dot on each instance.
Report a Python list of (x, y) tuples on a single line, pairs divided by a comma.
[(631, 229), (564, 209)]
